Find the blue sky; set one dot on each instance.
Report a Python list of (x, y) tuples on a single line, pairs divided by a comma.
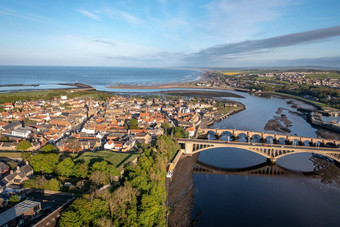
[(170, 33)]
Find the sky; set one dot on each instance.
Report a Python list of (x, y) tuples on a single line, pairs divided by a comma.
[(170, 33)]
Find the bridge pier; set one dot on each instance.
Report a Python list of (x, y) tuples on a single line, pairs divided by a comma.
[(271, 160), (188, 148)]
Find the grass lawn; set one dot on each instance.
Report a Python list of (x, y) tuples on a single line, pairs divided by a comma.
[(226, 110), (115, 158), (9, 154), (48, 94)]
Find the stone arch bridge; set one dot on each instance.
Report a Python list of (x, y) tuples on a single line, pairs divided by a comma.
[(272, 152), (264, 135)]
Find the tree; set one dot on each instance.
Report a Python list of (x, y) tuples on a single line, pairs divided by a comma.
[(133, 124), (83, 212), (14, 199), (12, 164), (179, 132), (44, 163), (23, 145), (99, 178), (74, 144), (26, 155), (65, 167), (48, 148), (100, 166), (81, 170), (3, 139), (53, 185), (40, 182)]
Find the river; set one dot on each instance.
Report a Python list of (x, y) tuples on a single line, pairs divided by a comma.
[(245, 199)]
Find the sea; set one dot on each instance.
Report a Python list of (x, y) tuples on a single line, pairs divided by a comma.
[(51, 77)]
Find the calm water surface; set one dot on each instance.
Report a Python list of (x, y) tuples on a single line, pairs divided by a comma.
[(264, 200)]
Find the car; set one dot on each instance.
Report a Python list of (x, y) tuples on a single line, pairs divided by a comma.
[(265, 144)]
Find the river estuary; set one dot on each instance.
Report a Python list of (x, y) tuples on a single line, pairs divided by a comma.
[(307, 194)]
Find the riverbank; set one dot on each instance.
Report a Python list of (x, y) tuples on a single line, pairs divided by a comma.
[(200, 93), (180, 192)]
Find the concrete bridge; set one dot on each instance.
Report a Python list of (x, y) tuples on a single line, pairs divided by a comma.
[(264, 135), (270, 151), (263, 169)]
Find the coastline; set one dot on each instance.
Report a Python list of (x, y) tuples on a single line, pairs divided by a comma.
[(203, 77)]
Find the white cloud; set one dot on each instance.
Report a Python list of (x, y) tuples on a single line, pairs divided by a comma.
[(89, 14), (114, 13), (25, 16)]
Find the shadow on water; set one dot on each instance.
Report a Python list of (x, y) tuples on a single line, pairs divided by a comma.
[(234, 187), (263, 169)]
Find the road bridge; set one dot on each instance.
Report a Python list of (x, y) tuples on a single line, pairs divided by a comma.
[(270, 151), (264, 135)]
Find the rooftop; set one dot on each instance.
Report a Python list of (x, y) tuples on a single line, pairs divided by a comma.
[(17, 210)]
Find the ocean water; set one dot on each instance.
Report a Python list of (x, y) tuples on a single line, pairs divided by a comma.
[(49, 77)]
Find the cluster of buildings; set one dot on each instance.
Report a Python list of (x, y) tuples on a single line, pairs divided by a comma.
[(300, 78), (79, 124)]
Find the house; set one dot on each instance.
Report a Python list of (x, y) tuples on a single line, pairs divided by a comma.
[(21, 132), (8, 146), (12, 126), (4, 168), (143, 137), (128, 145), (118, 145), (191, 131), (19, 175), (109, 145), (20, 213)]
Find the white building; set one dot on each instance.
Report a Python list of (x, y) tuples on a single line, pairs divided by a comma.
[(109, 145), (21, 132)]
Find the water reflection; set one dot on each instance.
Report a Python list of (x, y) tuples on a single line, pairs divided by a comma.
[(236, 187), (263, 169)]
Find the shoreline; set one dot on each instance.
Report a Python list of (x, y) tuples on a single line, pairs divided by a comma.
[(20, 85)]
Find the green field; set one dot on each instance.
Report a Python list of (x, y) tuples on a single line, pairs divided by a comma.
[(48, 94), (9, 154), (324, 76), (115, 158)]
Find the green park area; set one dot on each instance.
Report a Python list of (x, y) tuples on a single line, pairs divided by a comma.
[(4, 154), (115, 158), (50, 94), (330, 75)]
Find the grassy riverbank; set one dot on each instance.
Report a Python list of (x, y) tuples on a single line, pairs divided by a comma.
[(319, 105)]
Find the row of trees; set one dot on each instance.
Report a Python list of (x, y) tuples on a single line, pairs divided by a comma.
[(100, 172), (138, 201)]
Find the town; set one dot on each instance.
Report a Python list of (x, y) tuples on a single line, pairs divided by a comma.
[(82, 137)]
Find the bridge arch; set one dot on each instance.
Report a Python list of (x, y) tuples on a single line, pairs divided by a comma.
[(306, 142), (269, 139), (255, 136), (227, 133), (212, 134), (272, 153)]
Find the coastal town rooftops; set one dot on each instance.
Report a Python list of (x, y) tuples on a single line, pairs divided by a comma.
[(13, 125), (17, 211)]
